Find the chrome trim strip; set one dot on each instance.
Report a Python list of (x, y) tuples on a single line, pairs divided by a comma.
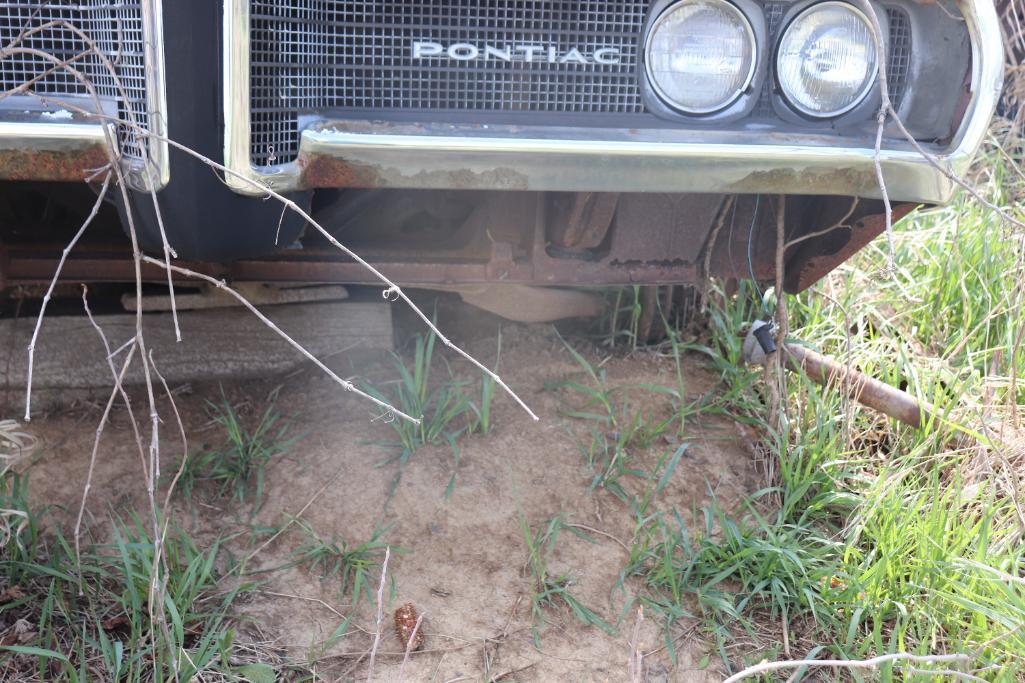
[(236, 97), (159, 173), (55, 137), (463, 158)]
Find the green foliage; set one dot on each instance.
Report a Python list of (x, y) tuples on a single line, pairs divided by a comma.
[(618, 428), (482, 411), (357, 568), (547, 590), (444, 410), (99, 611), (237, 467), (871, 540), (624, 317)]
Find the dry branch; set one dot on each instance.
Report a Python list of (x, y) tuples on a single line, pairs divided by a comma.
[(53, 283), (872, 664), (380, 615)]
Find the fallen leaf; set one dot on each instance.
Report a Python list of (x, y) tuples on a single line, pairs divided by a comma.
[(11, 594)]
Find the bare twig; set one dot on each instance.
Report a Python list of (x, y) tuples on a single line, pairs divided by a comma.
[(118, 376), (636, 654), (842, 223), (724, 211), (873, 663), (380, 614), (53, 283)]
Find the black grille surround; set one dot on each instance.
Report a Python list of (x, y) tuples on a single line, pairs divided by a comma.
[(115, 26), (310, 56)]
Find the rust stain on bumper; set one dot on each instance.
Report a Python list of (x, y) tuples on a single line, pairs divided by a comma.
[(321, 170), (71, 164), (318, 170), (840, 181)]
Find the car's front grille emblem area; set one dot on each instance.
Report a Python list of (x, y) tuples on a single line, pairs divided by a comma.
[(114, 26), (322, 54)]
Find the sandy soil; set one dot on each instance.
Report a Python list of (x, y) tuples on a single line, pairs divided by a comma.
[(459, 560)]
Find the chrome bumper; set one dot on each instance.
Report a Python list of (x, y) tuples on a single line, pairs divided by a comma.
[(355, 154)]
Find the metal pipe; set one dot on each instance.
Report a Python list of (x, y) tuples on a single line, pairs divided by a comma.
[(864, 389)]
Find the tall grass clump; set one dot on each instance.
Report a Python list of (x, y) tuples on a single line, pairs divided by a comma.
[(872, 537), (236, 467), (92, 621)]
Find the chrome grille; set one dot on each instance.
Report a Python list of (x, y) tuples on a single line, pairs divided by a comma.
[(115, 27)]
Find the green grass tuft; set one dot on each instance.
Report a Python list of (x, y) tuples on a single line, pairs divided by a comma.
[(237, 467)]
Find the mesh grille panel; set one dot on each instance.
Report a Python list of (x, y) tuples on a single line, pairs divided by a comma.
[(116, 29), (900, 54)]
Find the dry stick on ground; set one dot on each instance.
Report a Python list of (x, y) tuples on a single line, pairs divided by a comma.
[(873, 663), (222, 285), (380, 614), (636, 654)]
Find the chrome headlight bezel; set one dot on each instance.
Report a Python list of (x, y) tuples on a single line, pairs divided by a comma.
[(867, 96), (744, 99)]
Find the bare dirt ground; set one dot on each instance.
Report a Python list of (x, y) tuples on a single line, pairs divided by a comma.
[(460, 560)]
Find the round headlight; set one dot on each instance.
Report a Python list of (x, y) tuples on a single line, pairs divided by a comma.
[(826, 62), (700, 55)]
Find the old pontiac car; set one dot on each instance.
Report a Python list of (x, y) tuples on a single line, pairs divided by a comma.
[(547, 142)]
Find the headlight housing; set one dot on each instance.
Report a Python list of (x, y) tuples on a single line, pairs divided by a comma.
[(826, 61), (700, 55)]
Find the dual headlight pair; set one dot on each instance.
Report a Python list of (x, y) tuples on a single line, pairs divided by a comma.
[(701, 55)]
